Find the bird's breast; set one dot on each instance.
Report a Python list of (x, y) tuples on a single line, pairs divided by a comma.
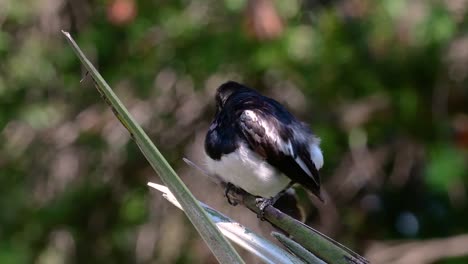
[(247, 170)]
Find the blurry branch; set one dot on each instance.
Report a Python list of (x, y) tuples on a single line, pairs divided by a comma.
[(359, 168), (217, 243), (261, 247), (310, 239), (428, 251), (362, 166), (358, 113)]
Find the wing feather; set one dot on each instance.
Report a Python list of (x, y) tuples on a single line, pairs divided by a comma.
[(274, 141)]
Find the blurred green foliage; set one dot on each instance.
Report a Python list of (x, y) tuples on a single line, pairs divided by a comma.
[(383, 83)]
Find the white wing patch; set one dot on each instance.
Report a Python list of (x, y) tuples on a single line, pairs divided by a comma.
[(290, 149), (316, 155), (314, 149), (303, 166)]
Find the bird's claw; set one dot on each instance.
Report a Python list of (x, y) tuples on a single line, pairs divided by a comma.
[(228, 193), (262, 204)]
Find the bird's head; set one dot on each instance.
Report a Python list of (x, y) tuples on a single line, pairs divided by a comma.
[(226, 90)]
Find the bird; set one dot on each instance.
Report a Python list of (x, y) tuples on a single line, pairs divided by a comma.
[(254, 143)]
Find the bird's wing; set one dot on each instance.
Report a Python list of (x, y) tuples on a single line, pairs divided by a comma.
[(274, 141)]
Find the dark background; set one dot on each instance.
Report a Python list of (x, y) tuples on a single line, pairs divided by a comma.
[(383, 83)]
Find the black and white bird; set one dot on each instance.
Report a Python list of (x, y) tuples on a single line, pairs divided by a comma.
[(255, 144)]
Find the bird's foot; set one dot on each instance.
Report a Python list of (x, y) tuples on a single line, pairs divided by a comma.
[(262, 204), (228, 192)]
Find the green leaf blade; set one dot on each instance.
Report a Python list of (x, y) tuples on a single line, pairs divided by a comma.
[(218, 244)]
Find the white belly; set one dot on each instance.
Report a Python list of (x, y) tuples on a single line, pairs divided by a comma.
[(247, 170)]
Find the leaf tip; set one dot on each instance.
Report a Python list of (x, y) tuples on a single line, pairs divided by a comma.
[(66, 33)]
